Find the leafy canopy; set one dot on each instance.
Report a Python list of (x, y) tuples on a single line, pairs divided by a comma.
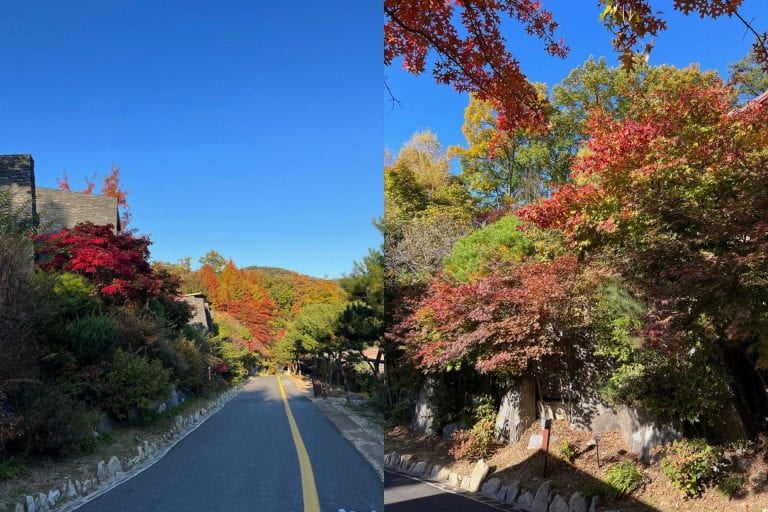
[(115, 263), (485, 250), (472, 54)]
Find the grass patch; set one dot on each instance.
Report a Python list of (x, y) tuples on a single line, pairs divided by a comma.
[(106, 438), (601, 489), (568, 452), (11, 468), (731, 485), (624, 477), (150, 418), (367, 411)]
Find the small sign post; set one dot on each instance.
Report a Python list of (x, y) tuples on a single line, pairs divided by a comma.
[(597, 449), (547, 426)]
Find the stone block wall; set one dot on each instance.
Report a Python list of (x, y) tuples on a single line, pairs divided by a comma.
[(201, 313), (17, 173), (56, 208), (61, 208), (520, 408)]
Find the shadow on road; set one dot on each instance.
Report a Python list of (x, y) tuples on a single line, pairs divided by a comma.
[(403, 494), (567, 479)]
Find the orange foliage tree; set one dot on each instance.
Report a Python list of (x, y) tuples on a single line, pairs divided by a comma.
[(240, 294), (207, 276)]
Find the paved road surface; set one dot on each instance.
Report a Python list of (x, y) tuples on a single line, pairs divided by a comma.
[(244, 459), (403, 494)]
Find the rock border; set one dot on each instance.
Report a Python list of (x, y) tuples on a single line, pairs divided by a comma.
[(72, 494), (543, 500)]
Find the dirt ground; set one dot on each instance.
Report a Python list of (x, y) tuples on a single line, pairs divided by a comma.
[(515, 462)]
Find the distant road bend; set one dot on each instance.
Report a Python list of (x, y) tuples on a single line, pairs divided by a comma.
[(269, 449)]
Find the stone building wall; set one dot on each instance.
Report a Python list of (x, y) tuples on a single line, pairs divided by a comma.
[(56, 208), (17, 172), (201, 313), (61, 208)]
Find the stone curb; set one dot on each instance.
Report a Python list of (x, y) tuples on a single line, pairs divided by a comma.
[(508, 497), (73, 494), (444, 486)]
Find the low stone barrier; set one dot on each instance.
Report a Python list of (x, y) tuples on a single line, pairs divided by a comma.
[(543, 500), (114, 471)]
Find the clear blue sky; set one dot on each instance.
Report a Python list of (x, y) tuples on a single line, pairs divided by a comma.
[(688, 39), (253, 128)]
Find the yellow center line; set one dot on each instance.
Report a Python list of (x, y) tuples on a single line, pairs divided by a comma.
[(308, 488)]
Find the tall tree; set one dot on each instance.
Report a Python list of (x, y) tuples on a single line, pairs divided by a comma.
[(632, 22), (209, 280), (214, 259), (675, 195), (748, 77), (242, 296), (595, 85), (425, 207), (315, 328), (506, 169), (480, 62), (361, 323), (111, 188)]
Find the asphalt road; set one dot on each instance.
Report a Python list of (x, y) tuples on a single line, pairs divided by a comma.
[(403, 494), (244, 459)]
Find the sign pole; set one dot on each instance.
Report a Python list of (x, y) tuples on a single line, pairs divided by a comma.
[(547, 424), (597, 449)]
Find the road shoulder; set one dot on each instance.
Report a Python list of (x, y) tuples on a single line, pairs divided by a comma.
[(367, 438)]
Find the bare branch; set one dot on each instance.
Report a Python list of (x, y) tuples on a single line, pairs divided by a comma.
[(760, 41), (392, 99)]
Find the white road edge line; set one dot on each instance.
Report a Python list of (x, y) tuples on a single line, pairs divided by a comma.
[(463, 494), (137, 470)]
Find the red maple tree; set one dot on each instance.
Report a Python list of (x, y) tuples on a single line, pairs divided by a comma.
[(472, 53), (116, 263), (478, 63), (677, 194), (500, 323)]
